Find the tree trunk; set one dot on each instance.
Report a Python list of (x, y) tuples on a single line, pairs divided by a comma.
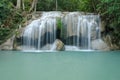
[(18, 6), (23, 5), (56, 5), (33, 6)]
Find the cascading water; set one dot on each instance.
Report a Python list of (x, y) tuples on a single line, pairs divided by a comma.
[(77, 31), (41, 32), (81, 30)]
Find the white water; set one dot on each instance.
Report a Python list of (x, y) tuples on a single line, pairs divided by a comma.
[(41, 32), (78, 31), (81, 29)]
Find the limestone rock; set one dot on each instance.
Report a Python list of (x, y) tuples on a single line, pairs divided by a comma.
[(102, 28), (99, 44), (46, 47), (94, 30), (58, 45), (8, 45), (108, 40)]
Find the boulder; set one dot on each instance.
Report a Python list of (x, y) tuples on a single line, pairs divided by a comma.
[(108, 40), (58, 45), (8, 45), (99, 44)]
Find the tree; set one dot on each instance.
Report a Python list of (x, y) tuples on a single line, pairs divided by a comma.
[(56, 5), (18, 6), (33, 5)]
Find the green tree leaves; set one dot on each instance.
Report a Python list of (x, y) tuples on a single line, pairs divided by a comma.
[(9, 19)]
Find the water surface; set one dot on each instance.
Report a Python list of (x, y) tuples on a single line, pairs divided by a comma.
[(79, 65)]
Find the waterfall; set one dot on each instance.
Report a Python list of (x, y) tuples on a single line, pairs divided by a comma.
[(77, 32), (81, 30), (41, 32)]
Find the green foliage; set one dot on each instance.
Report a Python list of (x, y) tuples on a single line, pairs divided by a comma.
[(59, 23), (46, 5), (85, 5), (68, 5), (4, 33), (9, 19), (63, 5), (27, 4), (5, 9), (109, 10)]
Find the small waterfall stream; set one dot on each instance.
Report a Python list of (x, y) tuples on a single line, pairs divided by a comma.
[(77, 31)]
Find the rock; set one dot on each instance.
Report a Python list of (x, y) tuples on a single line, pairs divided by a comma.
[(108, 40), (102, 28), (46, 47), (99, 44), (58, 45), (16, 45), (8, 45), (70, 22), (94, 30), (18, 48)]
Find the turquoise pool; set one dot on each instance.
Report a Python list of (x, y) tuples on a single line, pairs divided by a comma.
[(74, 65)]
